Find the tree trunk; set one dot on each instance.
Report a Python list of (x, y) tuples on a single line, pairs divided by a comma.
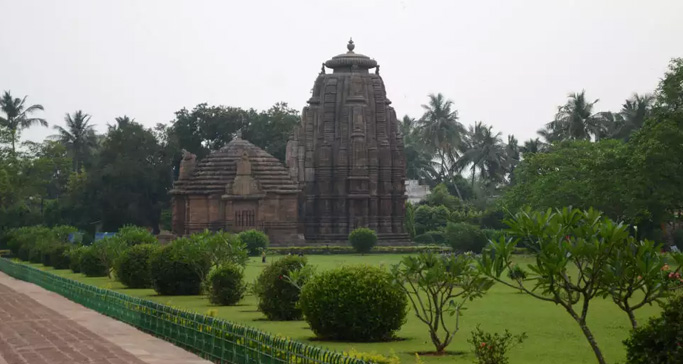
[(632, 317), (591, 340)]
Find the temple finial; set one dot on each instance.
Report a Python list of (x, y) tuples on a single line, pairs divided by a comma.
[(350, 46), (238, 134)]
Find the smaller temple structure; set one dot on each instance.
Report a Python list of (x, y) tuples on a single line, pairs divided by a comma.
[(236, 188)]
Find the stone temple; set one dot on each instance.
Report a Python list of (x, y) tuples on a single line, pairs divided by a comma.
[(345, 169), (347, 155), (236, 188)]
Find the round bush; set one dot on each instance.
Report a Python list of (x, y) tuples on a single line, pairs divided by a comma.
[(277, 297), (91, 264), (463, 237), (363, 240), (75, 258), (226, 285), (176, 274), (132, 267), (359, 303), (59, 256), (135, 235), (255, 240), (660, 341)]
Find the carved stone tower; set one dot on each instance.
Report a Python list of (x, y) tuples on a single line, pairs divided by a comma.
[(347, 155)]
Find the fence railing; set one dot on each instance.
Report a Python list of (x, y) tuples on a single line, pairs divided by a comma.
[(211, 338)]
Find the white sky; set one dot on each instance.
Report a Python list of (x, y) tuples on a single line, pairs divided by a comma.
[(506, 63)]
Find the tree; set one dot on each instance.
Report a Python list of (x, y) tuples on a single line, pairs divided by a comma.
[(636, 275), (532, 146), (575, 251), (271, 129), (575, 173), (632, 116), (17, 116), (78, 137), (484, 150), (131, 181), (512, 154), (438, 288), (575, 121), (669, 94), (441, 132)]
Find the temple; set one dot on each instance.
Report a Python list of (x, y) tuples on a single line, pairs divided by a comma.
[(345, 169), (236, 188), (347, 155)]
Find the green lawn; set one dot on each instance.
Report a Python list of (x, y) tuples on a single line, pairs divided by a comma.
[(553, 336)]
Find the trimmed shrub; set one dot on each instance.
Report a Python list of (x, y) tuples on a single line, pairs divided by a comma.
[(176, 274), (463, 237), (23, 253), (359, 303), (345, 249), (132, 267), (90, 263), (135, 235), (61, 232), (226, 285), (660, 341), (75, 255), (255, 240), (424, 239), (59, 256), (35, 254), (363, 240), (278, 297)]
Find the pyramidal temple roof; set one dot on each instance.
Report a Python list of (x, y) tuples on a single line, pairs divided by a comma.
[(219, 168)]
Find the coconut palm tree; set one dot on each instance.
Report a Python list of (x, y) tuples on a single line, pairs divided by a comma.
[(633, 114), (78, 137), (485, 152), (512, 153), (532, 146), (441, 132), (574, 120), (17, 116)]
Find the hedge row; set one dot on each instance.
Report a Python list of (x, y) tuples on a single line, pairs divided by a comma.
[(341, 249)]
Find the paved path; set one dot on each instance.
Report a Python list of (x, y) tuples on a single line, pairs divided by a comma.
[(39, 327)]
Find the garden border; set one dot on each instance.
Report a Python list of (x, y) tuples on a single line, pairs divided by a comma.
[(211, 338)]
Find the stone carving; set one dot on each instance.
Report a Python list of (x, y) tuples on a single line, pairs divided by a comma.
[(187, 164), (244, 184), (347, 155)]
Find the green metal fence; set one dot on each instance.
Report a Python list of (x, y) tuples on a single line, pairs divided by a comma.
[(213, 339)]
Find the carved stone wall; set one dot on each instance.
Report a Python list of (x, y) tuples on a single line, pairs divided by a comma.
[(347, 155)]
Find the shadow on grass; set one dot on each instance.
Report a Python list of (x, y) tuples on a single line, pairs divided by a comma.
[(395, 339), (435, 354)]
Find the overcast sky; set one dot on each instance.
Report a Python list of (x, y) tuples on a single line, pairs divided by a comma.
[(506, 63)]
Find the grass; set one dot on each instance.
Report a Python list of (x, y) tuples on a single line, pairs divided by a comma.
[(553, 336)]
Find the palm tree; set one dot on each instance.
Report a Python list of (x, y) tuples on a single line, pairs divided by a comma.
[(633, 114), (78, 137), (484, 151), (512, 153), (17, 116), (532, 146), (575, 120), (441, 132)]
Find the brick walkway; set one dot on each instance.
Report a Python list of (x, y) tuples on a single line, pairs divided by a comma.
[(65, 332)]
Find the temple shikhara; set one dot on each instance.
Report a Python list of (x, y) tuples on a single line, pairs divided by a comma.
[(345, 169)]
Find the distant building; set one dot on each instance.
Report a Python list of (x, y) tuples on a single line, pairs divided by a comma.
[(415, 192)]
